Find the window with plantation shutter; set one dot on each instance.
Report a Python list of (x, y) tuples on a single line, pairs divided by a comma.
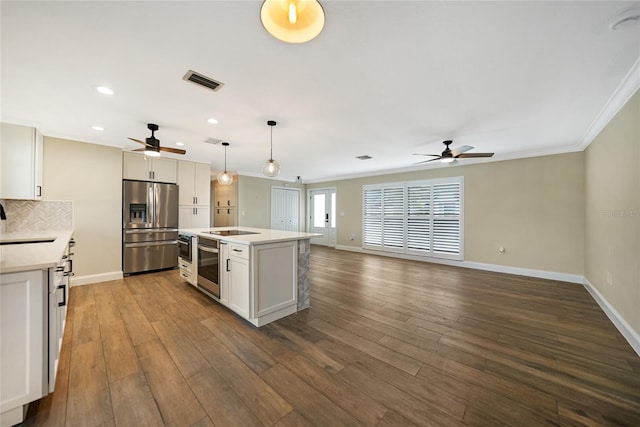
[(418, 217)]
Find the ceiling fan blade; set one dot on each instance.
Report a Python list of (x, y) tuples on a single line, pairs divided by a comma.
[(420, 154), (455, 152), (430, 160), (173, 150), (138, 141), (469, 155)]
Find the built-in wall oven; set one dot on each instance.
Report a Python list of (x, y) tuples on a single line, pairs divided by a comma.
[(209, 265), (185, 248)]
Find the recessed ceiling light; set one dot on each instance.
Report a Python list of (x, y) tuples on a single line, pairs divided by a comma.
[(180, 144), (105, 90), (100, 128), (212, 121)]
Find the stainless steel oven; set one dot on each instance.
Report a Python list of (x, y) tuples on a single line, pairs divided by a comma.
[(209, 266), (185, 249)]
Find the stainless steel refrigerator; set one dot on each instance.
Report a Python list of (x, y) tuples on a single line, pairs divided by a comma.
[(149, 226)]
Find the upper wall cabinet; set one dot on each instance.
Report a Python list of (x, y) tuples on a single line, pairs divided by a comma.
[(21, 160), (226, 195), (195, 183), (144, 168)]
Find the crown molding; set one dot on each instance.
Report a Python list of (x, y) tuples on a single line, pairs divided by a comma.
[(620, 96)]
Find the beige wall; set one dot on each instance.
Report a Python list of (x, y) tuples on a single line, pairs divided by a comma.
[(612, 243), (254, 201), (91, 176), (533, 207)]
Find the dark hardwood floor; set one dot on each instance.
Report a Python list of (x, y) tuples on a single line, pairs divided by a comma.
[(386, 342)]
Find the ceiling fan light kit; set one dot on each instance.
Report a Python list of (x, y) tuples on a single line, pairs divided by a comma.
[(152, 146), (271, 167), (292, 21), (449, 156), (225, 178)]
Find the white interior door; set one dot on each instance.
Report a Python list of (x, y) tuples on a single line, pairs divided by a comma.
[(322, 219), (285, 208)]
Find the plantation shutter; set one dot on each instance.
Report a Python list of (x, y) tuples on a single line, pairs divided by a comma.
[(419, 217), (372, 235), (446, 218), (393, 218)]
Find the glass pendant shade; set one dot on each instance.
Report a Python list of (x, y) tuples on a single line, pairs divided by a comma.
[(292, 21), (271, 168), (225, 178)]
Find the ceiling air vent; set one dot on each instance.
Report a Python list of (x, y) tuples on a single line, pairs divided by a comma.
[(202, 80), (364, 157), (213, 141)]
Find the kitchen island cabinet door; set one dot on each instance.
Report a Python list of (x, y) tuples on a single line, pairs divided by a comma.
[(239, 296), (23, 329)]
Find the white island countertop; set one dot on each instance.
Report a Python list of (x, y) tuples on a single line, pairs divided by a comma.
[(16, 257), (262, 236)]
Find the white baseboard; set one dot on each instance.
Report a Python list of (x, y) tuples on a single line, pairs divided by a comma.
[(529, 272), (632, 337), (95, 278)]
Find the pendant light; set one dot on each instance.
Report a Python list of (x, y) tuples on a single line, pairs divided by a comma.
[(292, 21), (271, 167), (225, 178)]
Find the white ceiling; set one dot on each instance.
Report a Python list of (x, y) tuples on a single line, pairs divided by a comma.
[(386, 79)]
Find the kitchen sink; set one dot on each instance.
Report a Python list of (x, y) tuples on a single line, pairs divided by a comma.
[(27, 241)]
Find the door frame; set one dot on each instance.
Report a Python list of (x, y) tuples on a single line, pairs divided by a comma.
[(331, 232)]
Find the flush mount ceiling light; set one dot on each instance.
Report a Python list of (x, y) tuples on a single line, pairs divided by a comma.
[(225, 178), (292, 21), (271, 167)]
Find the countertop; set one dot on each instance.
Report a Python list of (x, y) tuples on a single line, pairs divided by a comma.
[(264, 235), (32, 256)]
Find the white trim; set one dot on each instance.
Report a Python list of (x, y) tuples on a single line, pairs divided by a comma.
[(529, 272), (95, 278), (620, 96), (632, 337)]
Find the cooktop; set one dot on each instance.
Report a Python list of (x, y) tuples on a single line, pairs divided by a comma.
[(231, 232)]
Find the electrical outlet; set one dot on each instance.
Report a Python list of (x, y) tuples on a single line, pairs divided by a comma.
[(352, 237)]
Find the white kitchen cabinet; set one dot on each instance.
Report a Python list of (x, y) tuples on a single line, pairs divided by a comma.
[(143, 168), (193, 217), (21, 153), (194, 180), (239, 289), (226, 195), (23, 338), (225, 217)]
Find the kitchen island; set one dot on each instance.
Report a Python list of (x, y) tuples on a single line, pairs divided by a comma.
[(263, 274)]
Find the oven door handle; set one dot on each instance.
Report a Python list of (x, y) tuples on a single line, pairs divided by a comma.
[(207, 249), (149, 244)]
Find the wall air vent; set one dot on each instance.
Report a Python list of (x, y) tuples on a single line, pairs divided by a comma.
[(364, 157), (202, 80)]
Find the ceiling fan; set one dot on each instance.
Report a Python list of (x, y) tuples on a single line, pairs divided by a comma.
[(152, 145), (450, 156)]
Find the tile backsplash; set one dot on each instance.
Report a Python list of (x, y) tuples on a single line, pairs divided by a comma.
[(44, 215)]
